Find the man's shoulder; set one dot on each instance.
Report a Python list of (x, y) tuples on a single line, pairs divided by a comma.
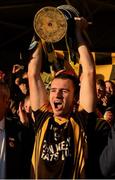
[(41, 115)]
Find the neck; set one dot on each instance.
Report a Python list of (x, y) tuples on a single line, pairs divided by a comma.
[(65, 116)]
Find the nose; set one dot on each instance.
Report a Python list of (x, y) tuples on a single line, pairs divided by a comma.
[(59, 94)]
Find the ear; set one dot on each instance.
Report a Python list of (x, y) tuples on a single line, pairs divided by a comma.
[(76, 98), (75, 104)]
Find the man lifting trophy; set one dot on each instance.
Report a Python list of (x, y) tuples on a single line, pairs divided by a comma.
[(63, 115)]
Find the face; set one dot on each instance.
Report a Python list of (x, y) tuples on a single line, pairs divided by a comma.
[(17, 81), (27, 106), (62, 97), (109, 88), (23, 88), (100, 91), (108, 116)]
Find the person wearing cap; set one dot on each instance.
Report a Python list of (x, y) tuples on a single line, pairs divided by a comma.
[(60, 148)]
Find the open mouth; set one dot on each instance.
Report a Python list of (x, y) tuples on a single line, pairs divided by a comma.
[(58, 105)]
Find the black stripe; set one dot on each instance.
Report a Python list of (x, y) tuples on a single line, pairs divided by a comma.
[(103, 58)]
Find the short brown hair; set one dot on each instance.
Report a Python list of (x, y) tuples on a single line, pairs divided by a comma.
[(73, 77)]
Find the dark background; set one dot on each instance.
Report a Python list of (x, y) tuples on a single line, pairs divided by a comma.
[(16, 26)]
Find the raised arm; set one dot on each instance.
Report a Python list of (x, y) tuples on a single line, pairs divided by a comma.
[(87, 84), (38, 95)]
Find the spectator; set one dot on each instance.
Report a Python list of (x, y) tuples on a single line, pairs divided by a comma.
[(109, 87), (23, 85), (18, 87), (110, 93), (107, 158), (15, 142), (109, 115), (100, 88)]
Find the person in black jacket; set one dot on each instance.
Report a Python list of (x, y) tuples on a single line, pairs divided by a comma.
[(16, 142), (107, 158)]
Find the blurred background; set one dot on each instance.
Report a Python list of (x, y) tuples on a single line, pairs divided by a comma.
[(16, 30)]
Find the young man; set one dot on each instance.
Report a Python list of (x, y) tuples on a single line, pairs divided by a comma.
[(60, 145)]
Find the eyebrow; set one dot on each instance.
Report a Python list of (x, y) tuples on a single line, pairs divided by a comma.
[(60, 89)]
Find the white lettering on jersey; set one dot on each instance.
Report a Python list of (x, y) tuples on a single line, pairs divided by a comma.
[(55, 151)]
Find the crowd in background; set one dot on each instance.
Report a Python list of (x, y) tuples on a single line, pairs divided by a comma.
[(18, 83)]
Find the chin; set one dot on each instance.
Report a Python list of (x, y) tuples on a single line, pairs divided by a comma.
[(61, 115), (57, 114)]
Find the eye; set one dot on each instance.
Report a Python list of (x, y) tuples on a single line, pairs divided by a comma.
[(52, 90), (65, 90)]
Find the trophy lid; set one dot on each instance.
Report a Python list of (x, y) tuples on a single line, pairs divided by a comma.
[(50, 24)]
